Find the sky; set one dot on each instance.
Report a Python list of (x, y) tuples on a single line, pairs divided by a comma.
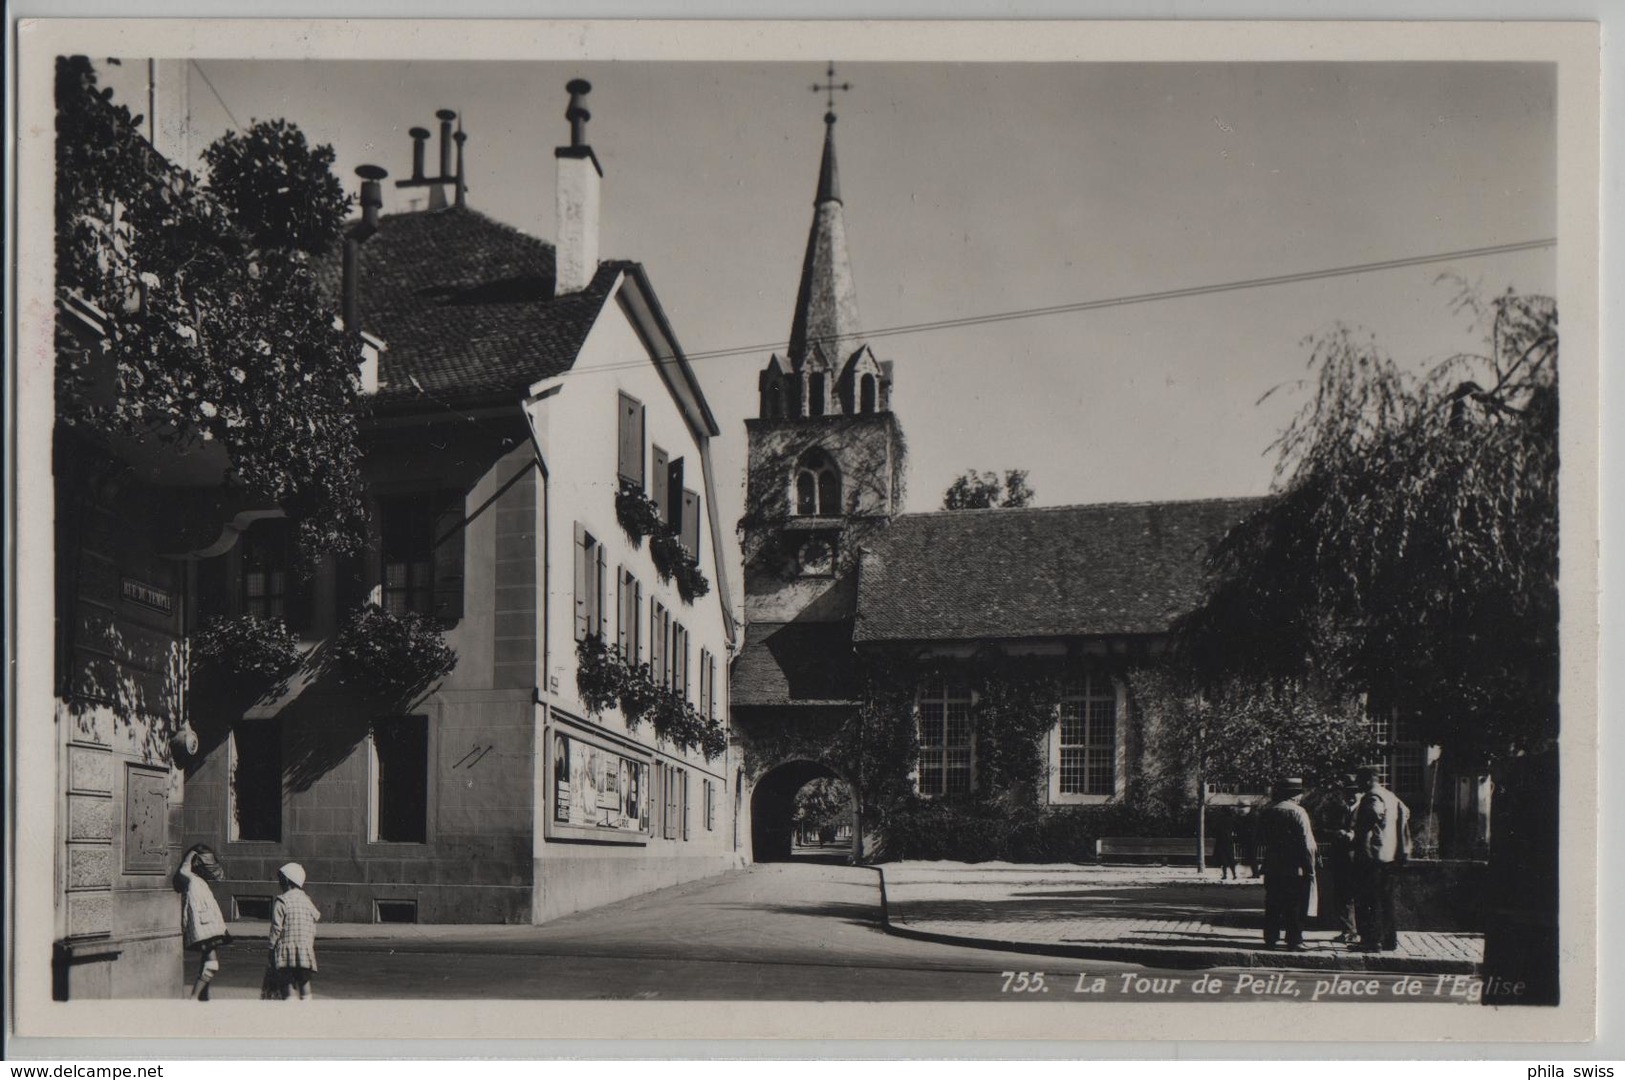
[(975, 189)]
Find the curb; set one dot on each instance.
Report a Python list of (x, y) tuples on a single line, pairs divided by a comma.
[(1164, 956)]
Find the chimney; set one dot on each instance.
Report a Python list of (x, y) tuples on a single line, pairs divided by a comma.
[(437, 184), (577, 192), (372, 199)]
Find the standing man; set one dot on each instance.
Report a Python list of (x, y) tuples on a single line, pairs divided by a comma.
[(1382, 842), (1289, 863)]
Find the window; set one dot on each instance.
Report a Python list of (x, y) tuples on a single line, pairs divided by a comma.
[(676, 658), (674, 495), (866, 394), (629, 611), (815, 394), (256, 781), (629, 424), (945, 738), (708, 685), (659, 645), (422, 554), (818, 486), (710, 805), (669, 801), (683, 783), (400, 780), (659, 482), (1402, 761), (1088, 735), (267, 586), (689, 533), (589, 574)]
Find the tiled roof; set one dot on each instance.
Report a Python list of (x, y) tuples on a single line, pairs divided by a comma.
[(465, 305), (794, 663), (1111, 568)]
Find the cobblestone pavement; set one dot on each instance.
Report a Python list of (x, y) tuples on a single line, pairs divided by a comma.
[(1156, 914)]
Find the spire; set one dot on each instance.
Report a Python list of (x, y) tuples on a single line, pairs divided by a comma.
[(826, 315)]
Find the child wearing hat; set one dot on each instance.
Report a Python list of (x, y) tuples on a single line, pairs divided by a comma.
[(293, 933), (203, 927)]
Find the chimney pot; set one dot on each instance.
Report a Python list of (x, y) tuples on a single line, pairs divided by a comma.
[(372, 199), (445, 116), (577, 195), (420, 136)]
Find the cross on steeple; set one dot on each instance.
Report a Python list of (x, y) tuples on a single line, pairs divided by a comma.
[(828, 89)]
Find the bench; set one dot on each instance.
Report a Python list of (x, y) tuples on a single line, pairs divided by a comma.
[(1150, 850)]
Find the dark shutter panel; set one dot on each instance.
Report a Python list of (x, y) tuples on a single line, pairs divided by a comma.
[(446, 534), (658, 487), (213, 592), (598, 592), (674, 495), (691, 522), (630, 428), (581, 567)]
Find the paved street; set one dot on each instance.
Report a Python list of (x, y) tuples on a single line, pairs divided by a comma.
[(786, 931)]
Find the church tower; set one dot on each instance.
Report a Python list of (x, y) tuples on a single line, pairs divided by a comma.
[(826, 453)]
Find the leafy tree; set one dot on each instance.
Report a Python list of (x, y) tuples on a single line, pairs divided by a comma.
[(982, 491), (824, 803), (1411, 552), (215, 330)]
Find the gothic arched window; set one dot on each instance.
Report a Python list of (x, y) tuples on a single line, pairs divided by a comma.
[(818, 486)]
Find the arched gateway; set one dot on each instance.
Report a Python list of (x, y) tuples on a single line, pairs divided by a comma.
[(772, 807)]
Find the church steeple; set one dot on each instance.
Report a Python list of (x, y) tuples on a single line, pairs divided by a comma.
[(828, 369), (826, 315)]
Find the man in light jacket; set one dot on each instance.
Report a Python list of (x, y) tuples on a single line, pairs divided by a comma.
[(1382, 842)]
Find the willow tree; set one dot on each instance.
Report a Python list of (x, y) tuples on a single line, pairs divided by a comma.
[(1410, 553), (1410, 556)]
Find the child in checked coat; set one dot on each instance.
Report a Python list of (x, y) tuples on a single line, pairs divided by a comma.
[(293, 934)]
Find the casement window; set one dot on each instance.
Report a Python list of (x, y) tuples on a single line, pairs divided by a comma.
[(255, 790), (398, 803), (945, 738), (708, 685), (817, 486), (589, 584), (1088, 735), (629, 611), (671, 804), (659, 643), (268, 587), (679, 660), (421, 540), (629, 426), (1401, 760), (659, 482), (689, 531), (674, 495), (683, 783)]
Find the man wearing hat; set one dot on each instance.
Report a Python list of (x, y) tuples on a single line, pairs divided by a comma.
[(1289, 863), (1382, 842)]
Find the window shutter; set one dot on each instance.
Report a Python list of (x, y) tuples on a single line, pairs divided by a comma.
[(621, 592), (582, 566), (674, 495), (447, 537), (691, 522), (659, 489), (630, 430), (598, 590)]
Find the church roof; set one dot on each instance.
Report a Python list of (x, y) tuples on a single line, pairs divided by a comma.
[(1110, 568), (826, 312), (465, 305), (806, 663)]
